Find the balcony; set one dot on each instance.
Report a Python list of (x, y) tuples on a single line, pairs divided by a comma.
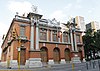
[(9, 42), (23, 38), (5, 48), (21, 19), (79, 43)]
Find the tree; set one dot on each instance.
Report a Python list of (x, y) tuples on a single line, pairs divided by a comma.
[(97, 40), (89, 45)]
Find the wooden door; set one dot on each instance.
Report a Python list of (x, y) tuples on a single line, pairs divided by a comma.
[(22, 56), (56, 55), (80, 55), (44, 56), (67, 55)]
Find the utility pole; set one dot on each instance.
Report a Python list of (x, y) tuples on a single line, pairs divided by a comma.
[(14, 34), (19, 43)]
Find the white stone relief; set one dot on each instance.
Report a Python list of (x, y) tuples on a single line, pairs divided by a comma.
[(49, 22)]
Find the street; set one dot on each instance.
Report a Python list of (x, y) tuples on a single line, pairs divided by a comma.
[(86, 66)]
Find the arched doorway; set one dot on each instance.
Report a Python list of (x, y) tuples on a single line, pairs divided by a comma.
[(67, 55), (44, 54), (80, 55), (56, 55)]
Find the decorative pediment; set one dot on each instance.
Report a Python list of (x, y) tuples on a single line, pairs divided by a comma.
[(55, 23), (43, 21), (49, 22)]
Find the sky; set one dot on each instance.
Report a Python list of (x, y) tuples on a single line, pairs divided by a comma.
[(62, 10)]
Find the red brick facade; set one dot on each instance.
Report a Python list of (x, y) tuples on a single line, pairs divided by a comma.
[(48, 49)]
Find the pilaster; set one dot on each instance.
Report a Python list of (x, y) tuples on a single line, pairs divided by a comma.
[(75, 41), (47, 35), (51, 36), (62, 37), (27, 64), (72, 40), (32, 35), (62, 61), (51, 62), (37, 36)]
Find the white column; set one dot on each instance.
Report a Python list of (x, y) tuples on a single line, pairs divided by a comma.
[(26, 63), (51, 62), (37, 36), (43, 44), (32, 35), (62, 37), (68, 38), (62, 61), (72, 40), (75, 42), (56, 45), (58, 37), (47, 35), (51, 35)]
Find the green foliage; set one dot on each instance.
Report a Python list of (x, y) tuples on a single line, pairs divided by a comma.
[(91, 42)]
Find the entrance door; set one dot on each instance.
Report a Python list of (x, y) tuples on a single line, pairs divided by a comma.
[(80, 55), (67, 55), (22, 56), (56, 55), (44, 56)]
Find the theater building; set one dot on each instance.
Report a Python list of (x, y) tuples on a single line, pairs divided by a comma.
[(35, 42)]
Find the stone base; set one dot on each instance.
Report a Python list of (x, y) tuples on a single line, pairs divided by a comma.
[(84, 60), (75, 60), (62, 61), (51, 62), (13, 64), (27, 64), (35, 62), (4, 64)]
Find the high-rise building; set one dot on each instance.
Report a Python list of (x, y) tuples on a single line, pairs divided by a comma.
[(33, 41), (79, 20), (94, 25)]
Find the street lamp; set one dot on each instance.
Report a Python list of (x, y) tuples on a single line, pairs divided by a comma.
[(18, 37), (14, 35)]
